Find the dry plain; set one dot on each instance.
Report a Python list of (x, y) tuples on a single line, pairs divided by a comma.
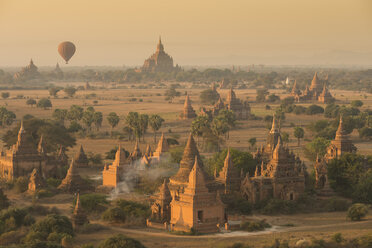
[(116, 99)]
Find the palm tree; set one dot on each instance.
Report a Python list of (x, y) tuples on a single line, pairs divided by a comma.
[(155, 122)]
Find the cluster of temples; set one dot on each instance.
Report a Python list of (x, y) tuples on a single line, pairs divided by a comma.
[(241, 108), (317, 91), (114, 173), (23, 157)]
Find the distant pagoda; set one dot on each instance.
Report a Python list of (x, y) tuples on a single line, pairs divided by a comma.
[(188, 111), (160, 61)]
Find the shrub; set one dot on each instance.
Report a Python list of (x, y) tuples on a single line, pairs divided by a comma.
[(253, 226), (50, 228), (356, 103), (93, 203), (120, 241), (336, 204), (12, 237), (124, 211), (337, 237), (357, 211), (314, 109), (54, 182), (21, 184), (275, 206), (90, 228)]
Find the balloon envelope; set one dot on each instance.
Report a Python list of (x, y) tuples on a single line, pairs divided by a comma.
[(66, 50)]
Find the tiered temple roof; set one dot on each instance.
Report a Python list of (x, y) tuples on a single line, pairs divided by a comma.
[(160, 61), (341, 144), (79, 217), (188, 111), (162, 146), (72, 182), (81, 159)]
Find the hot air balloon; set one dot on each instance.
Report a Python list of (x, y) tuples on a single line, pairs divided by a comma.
[(66, 50)]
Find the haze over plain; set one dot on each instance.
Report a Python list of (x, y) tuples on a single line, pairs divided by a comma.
[(208, 32)]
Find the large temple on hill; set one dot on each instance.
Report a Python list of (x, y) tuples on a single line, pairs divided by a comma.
[(28, 72), (317, 91), (160, 61), (340, 145)]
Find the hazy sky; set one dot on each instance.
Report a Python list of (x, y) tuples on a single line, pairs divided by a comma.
[(194, 32)]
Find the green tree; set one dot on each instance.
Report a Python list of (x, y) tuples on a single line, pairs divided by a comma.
[(299, 133), (155, 122), (356, 103), (6, 117), (261, 95), (357, 211), (44, 103), (75, 113), (317, 147), (88, 117), (53, 91), (314, 109), (120, 241), (5, 95), (113, 119), (241, 161), (143, 124), (171, 93), (200, 126), (54, 134), (70, 91), (97, 120), (209, 96), (31, 102), (60, 115), (229, 117), (252, 141)]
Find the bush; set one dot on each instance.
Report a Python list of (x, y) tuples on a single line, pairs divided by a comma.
[(314, 109), (12, 237), (21, 184), (93, 203), (51, 227), (276, 206), (253, 226), (357, 211), (356, 103), (120, 241), (53, 182), (124, 211), (90, 228), (336, 205)]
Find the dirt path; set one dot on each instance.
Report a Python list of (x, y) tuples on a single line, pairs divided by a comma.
[(157, 233)]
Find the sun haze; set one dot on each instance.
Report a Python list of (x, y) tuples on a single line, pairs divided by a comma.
[(208, 32)]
